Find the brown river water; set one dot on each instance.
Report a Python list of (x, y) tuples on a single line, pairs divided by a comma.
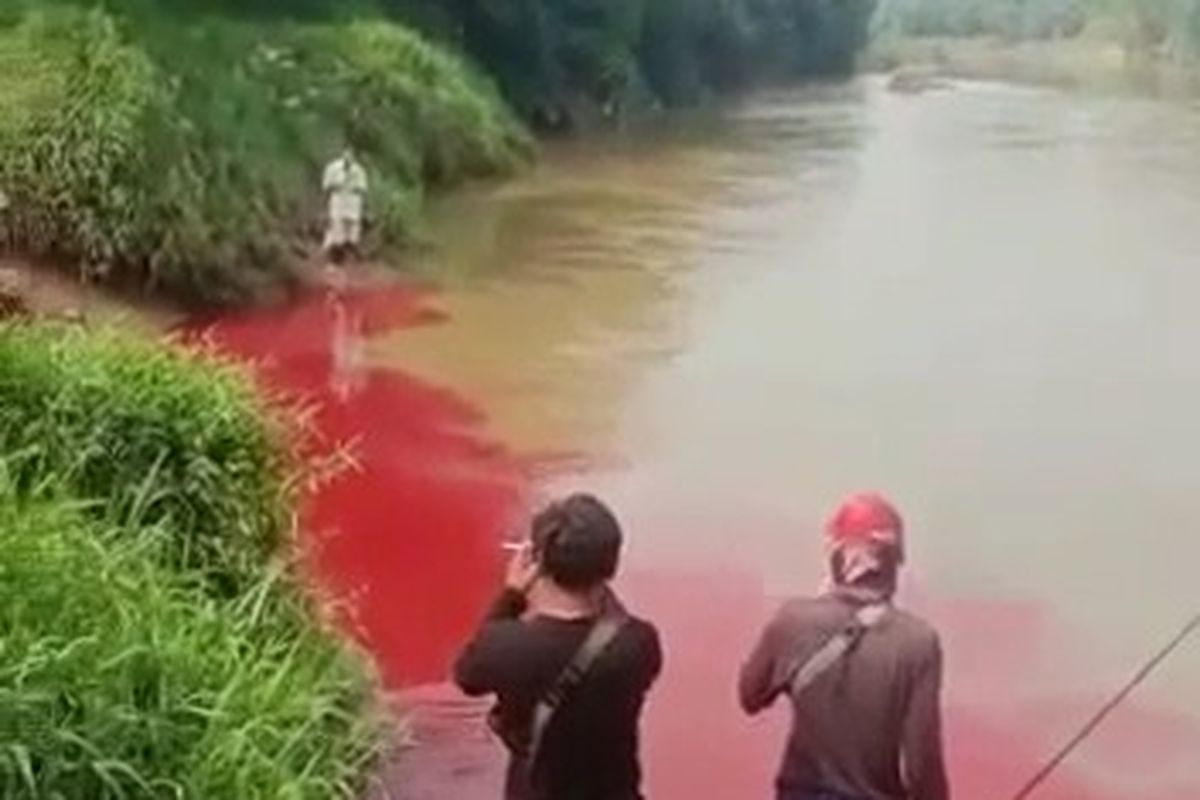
[(982, 301)]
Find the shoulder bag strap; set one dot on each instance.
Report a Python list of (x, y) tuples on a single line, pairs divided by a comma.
[(806, 671), (598, 640)]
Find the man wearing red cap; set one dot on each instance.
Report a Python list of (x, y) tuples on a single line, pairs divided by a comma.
[(863, 677)]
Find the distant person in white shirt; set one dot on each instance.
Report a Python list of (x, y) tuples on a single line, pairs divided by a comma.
[(345, 186)]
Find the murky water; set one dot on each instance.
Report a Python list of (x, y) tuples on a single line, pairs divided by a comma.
[(981, 301)]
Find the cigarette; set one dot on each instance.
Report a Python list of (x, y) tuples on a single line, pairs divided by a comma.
[(513, 547)]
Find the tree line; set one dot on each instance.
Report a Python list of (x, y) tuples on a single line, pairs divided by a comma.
[(1166, 26), (555, 59)]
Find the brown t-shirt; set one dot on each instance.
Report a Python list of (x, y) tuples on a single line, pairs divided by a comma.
[(870, 727)]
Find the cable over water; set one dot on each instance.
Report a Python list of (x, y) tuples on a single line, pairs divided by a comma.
[(1051, 766)]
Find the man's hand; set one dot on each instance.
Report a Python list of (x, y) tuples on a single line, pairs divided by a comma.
[(523, 571)]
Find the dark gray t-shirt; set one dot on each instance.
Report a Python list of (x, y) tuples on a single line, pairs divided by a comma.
[(870, 727)]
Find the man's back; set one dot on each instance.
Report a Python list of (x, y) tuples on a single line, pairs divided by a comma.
[(867, 728), (590, 751)]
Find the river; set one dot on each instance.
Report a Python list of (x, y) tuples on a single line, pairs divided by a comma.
[(981, 301)]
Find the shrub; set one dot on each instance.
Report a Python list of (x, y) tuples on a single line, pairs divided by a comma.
[(118, 681), (149, 436), (76, 106), (422, 118)]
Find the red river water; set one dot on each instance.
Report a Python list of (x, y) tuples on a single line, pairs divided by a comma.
[(949, 299)]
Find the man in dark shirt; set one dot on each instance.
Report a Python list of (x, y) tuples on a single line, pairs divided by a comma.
[(868, 727), (556, 590)]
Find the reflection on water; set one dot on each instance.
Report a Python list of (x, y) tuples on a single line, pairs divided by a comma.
[(980, 300), (347, 346)]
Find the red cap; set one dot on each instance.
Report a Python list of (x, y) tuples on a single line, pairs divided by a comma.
[(863, 517)]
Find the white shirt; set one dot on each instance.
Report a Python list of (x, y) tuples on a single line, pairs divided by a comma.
[(345, 181)]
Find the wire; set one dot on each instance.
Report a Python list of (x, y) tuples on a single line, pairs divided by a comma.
[(1106, 710)]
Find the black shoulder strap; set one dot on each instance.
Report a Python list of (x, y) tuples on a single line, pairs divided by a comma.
[(598, 640)]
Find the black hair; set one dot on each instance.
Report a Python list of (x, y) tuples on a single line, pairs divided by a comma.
[(577, 542)]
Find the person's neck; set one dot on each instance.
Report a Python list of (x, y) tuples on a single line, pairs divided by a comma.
[(548, 599), (867, 592)]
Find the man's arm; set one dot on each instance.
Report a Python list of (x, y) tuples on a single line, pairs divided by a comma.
[(489, 657), (654, 658), (493, 659), (759, 683), (924, 763)]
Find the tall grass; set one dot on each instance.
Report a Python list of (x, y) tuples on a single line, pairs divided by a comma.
[(154, 641), (179, 147), (149, 434), (118, 681)]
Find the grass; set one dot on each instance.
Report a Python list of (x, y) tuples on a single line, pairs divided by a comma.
[(179, 148), (149, 435), (118, 681), (155, 642)]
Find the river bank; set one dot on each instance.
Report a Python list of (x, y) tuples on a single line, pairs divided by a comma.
[(189, 164)]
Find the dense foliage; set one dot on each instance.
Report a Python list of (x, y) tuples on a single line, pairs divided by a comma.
[(181, 151), (556, 59), (1171, 26), (154, 642)]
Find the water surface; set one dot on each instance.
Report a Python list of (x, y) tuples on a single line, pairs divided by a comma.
[(981, 301)]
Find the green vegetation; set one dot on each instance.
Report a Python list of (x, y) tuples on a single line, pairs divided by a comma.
[(556, 59), (1164, 26), (116, 681), (123, 674), (180, 150), (152, 436), (176, 145), (1015, 19)]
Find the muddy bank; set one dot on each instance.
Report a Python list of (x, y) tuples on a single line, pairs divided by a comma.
[(26, 288)]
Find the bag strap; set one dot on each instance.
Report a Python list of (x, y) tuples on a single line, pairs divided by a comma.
[(806, 671), (602, 634)]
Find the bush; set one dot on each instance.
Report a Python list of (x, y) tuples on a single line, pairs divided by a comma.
[(149, 436), (76, 107), (118, 681), (422, 117)]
